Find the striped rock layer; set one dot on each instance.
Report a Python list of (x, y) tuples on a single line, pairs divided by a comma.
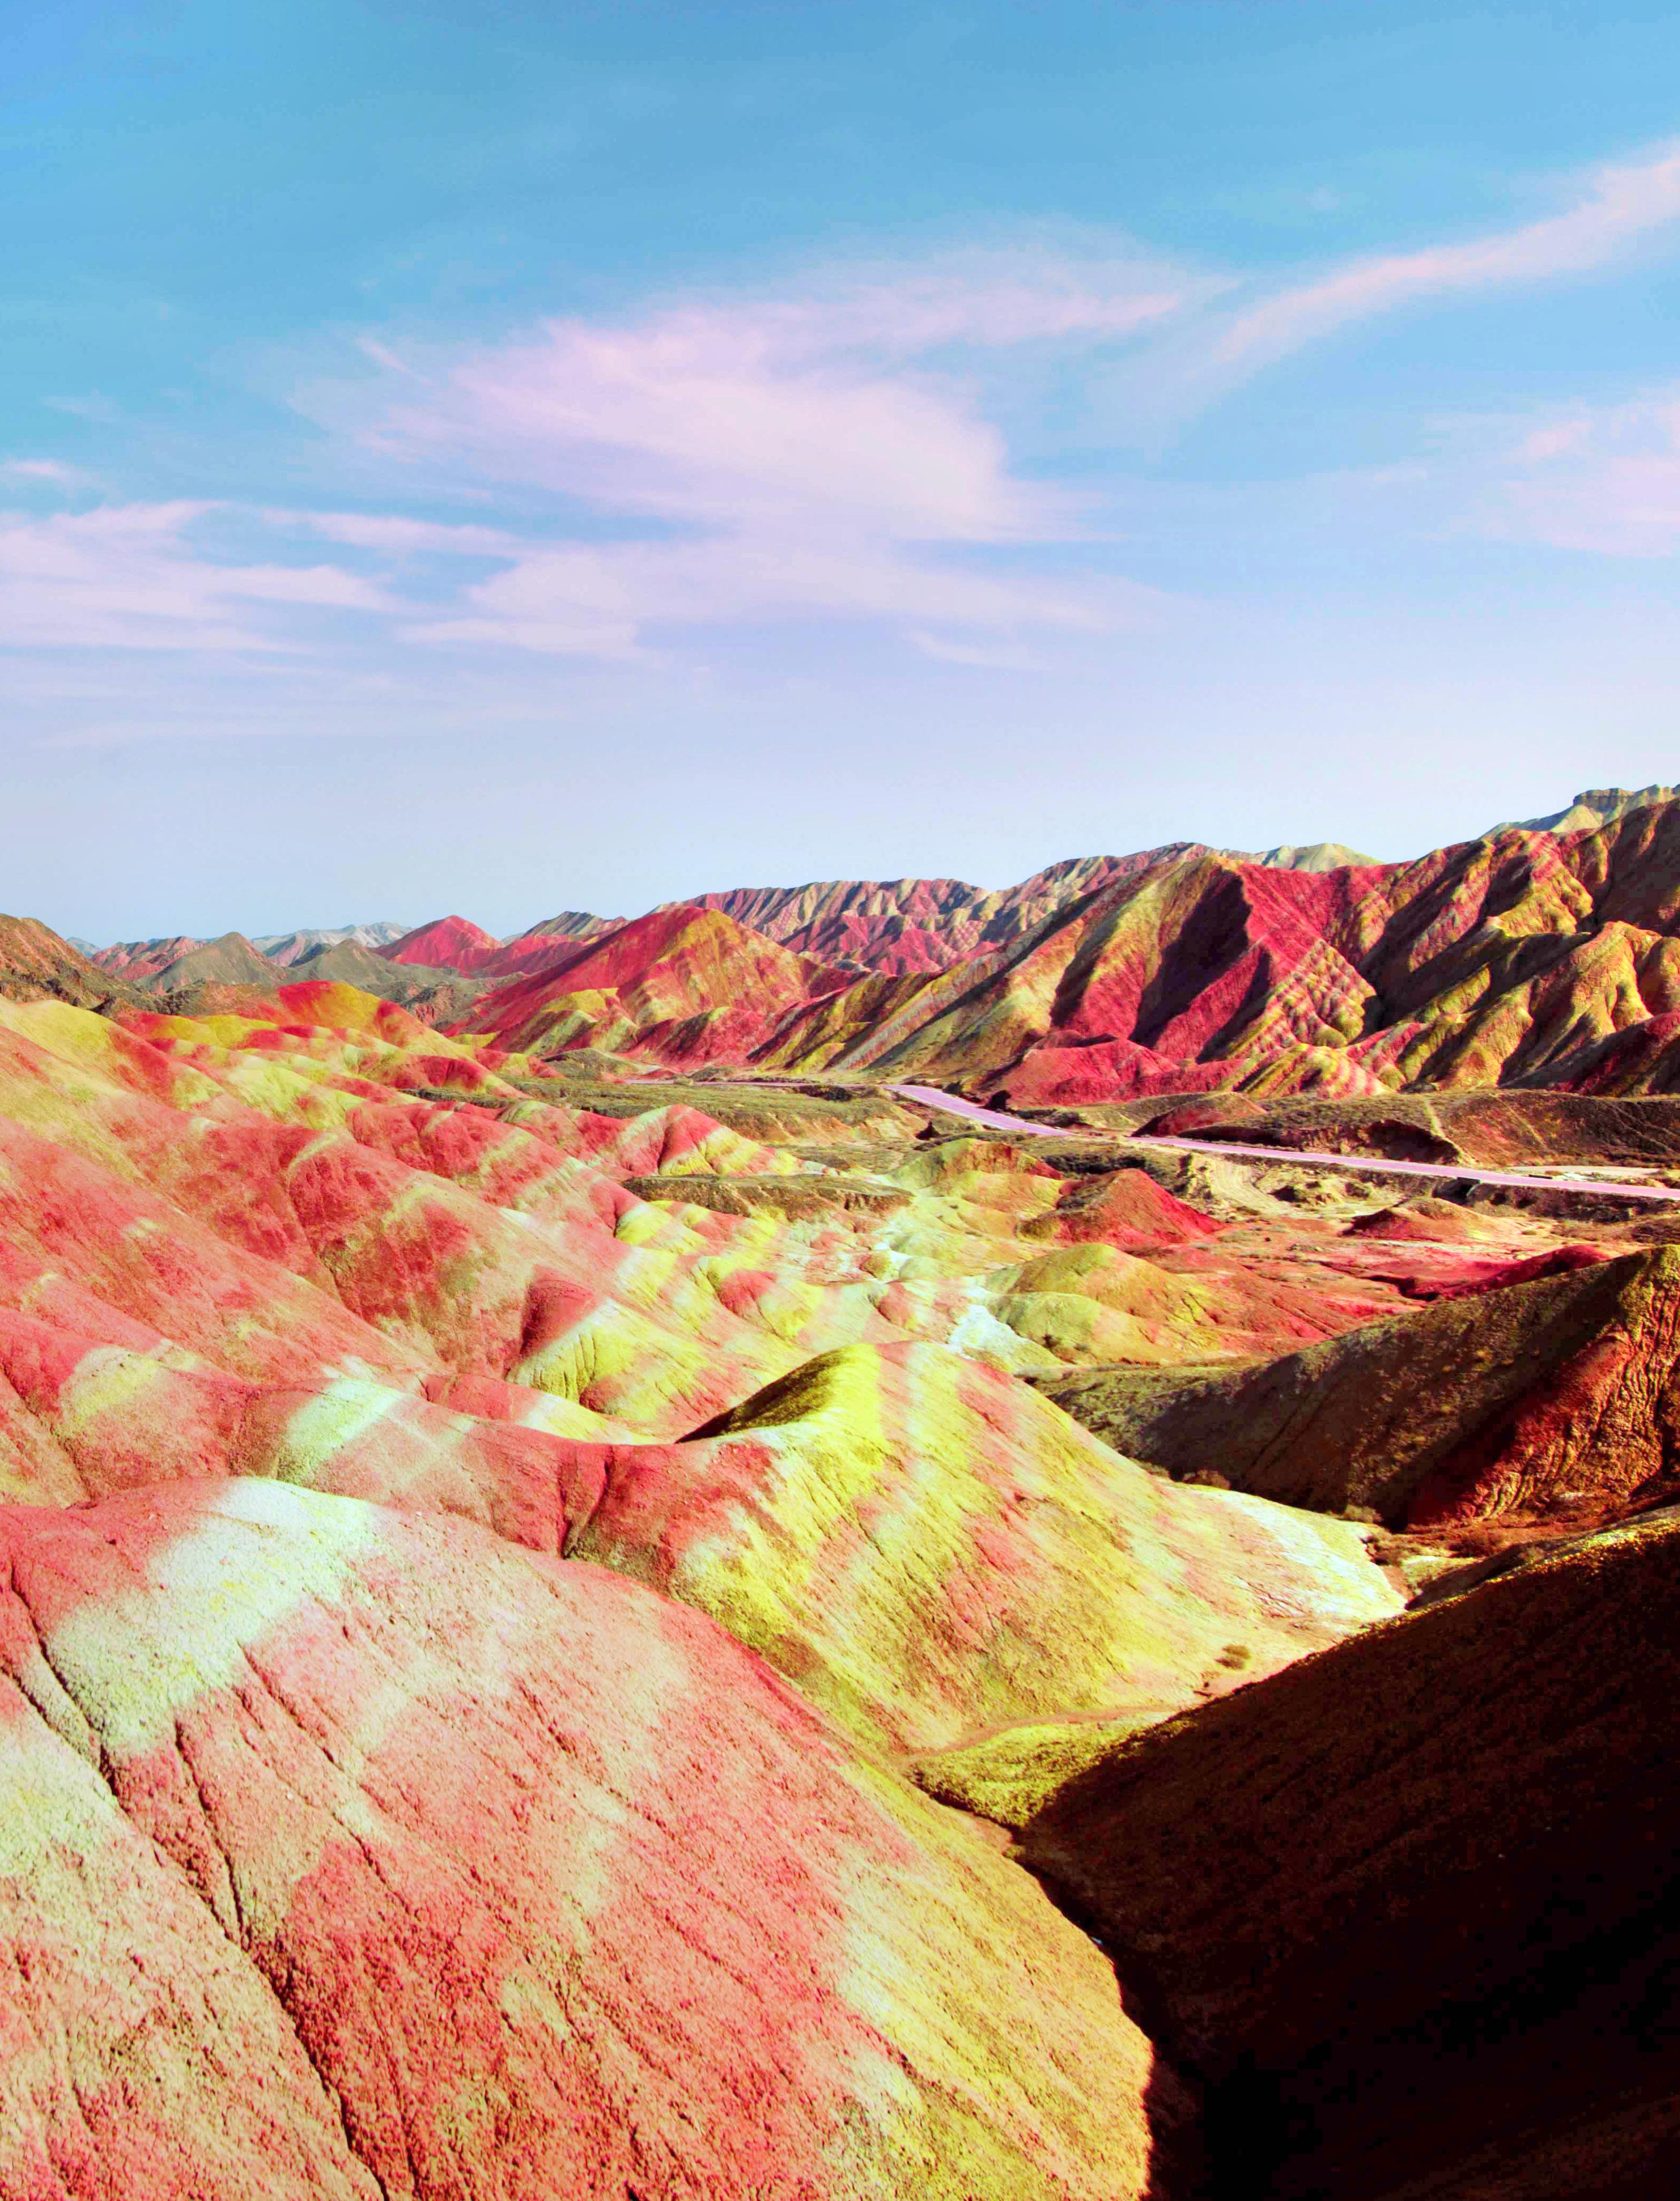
[(470, 1628), (508, 1573), (345, 1853)]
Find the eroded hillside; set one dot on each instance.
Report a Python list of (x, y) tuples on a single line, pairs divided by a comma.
[(551, 1606), (616, 1586)]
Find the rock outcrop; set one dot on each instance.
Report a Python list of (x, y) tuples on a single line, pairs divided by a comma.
[(1538, 1397)]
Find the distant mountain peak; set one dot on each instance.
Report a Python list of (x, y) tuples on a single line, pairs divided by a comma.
[(446, 943), (1313, 856), (1593, 808), (291, 946)]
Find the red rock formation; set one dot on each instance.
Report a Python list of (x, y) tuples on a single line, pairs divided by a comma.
[(447, 943), (683, 984)]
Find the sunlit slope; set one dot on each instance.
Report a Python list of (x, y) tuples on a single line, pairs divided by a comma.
[(352, 1854)]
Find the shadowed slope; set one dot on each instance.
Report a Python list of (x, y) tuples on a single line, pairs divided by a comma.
[(1409, 1907)]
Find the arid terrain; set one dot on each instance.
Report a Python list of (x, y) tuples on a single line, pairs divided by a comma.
[(610, 1593)]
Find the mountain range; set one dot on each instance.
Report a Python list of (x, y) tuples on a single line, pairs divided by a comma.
[(1545, 953)]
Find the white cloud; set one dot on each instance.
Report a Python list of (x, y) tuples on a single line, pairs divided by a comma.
[(1620, 203), (711, 416), (129, 576), (812, 461)]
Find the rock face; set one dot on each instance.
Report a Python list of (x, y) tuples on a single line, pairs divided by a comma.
[(1408, 1909), (352, 1855), (1534, 1398)]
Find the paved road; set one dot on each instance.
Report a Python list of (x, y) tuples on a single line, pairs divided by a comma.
[(996, 1120)]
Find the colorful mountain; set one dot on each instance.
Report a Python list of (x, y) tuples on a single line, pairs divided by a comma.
[(210, 975), (683, 984), (1531, 956), (606, 1594), (1522, 958), (448, 943)]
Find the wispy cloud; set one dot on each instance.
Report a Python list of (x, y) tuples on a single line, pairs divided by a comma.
[(1205, 355), (818, 456), (58, 473), (129, 576), (604, 600), (398, 536), (1619, 204), (1603, 478)]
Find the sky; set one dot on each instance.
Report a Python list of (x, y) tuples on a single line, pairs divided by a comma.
[(466, 455)]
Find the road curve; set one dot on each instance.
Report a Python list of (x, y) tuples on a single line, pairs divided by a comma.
[(994, 1120)]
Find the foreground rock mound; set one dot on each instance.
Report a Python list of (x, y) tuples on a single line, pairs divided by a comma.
[(347, 1854), (1410, 1909)]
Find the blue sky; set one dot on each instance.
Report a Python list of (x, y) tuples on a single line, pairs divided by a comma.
[(510, 458)]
